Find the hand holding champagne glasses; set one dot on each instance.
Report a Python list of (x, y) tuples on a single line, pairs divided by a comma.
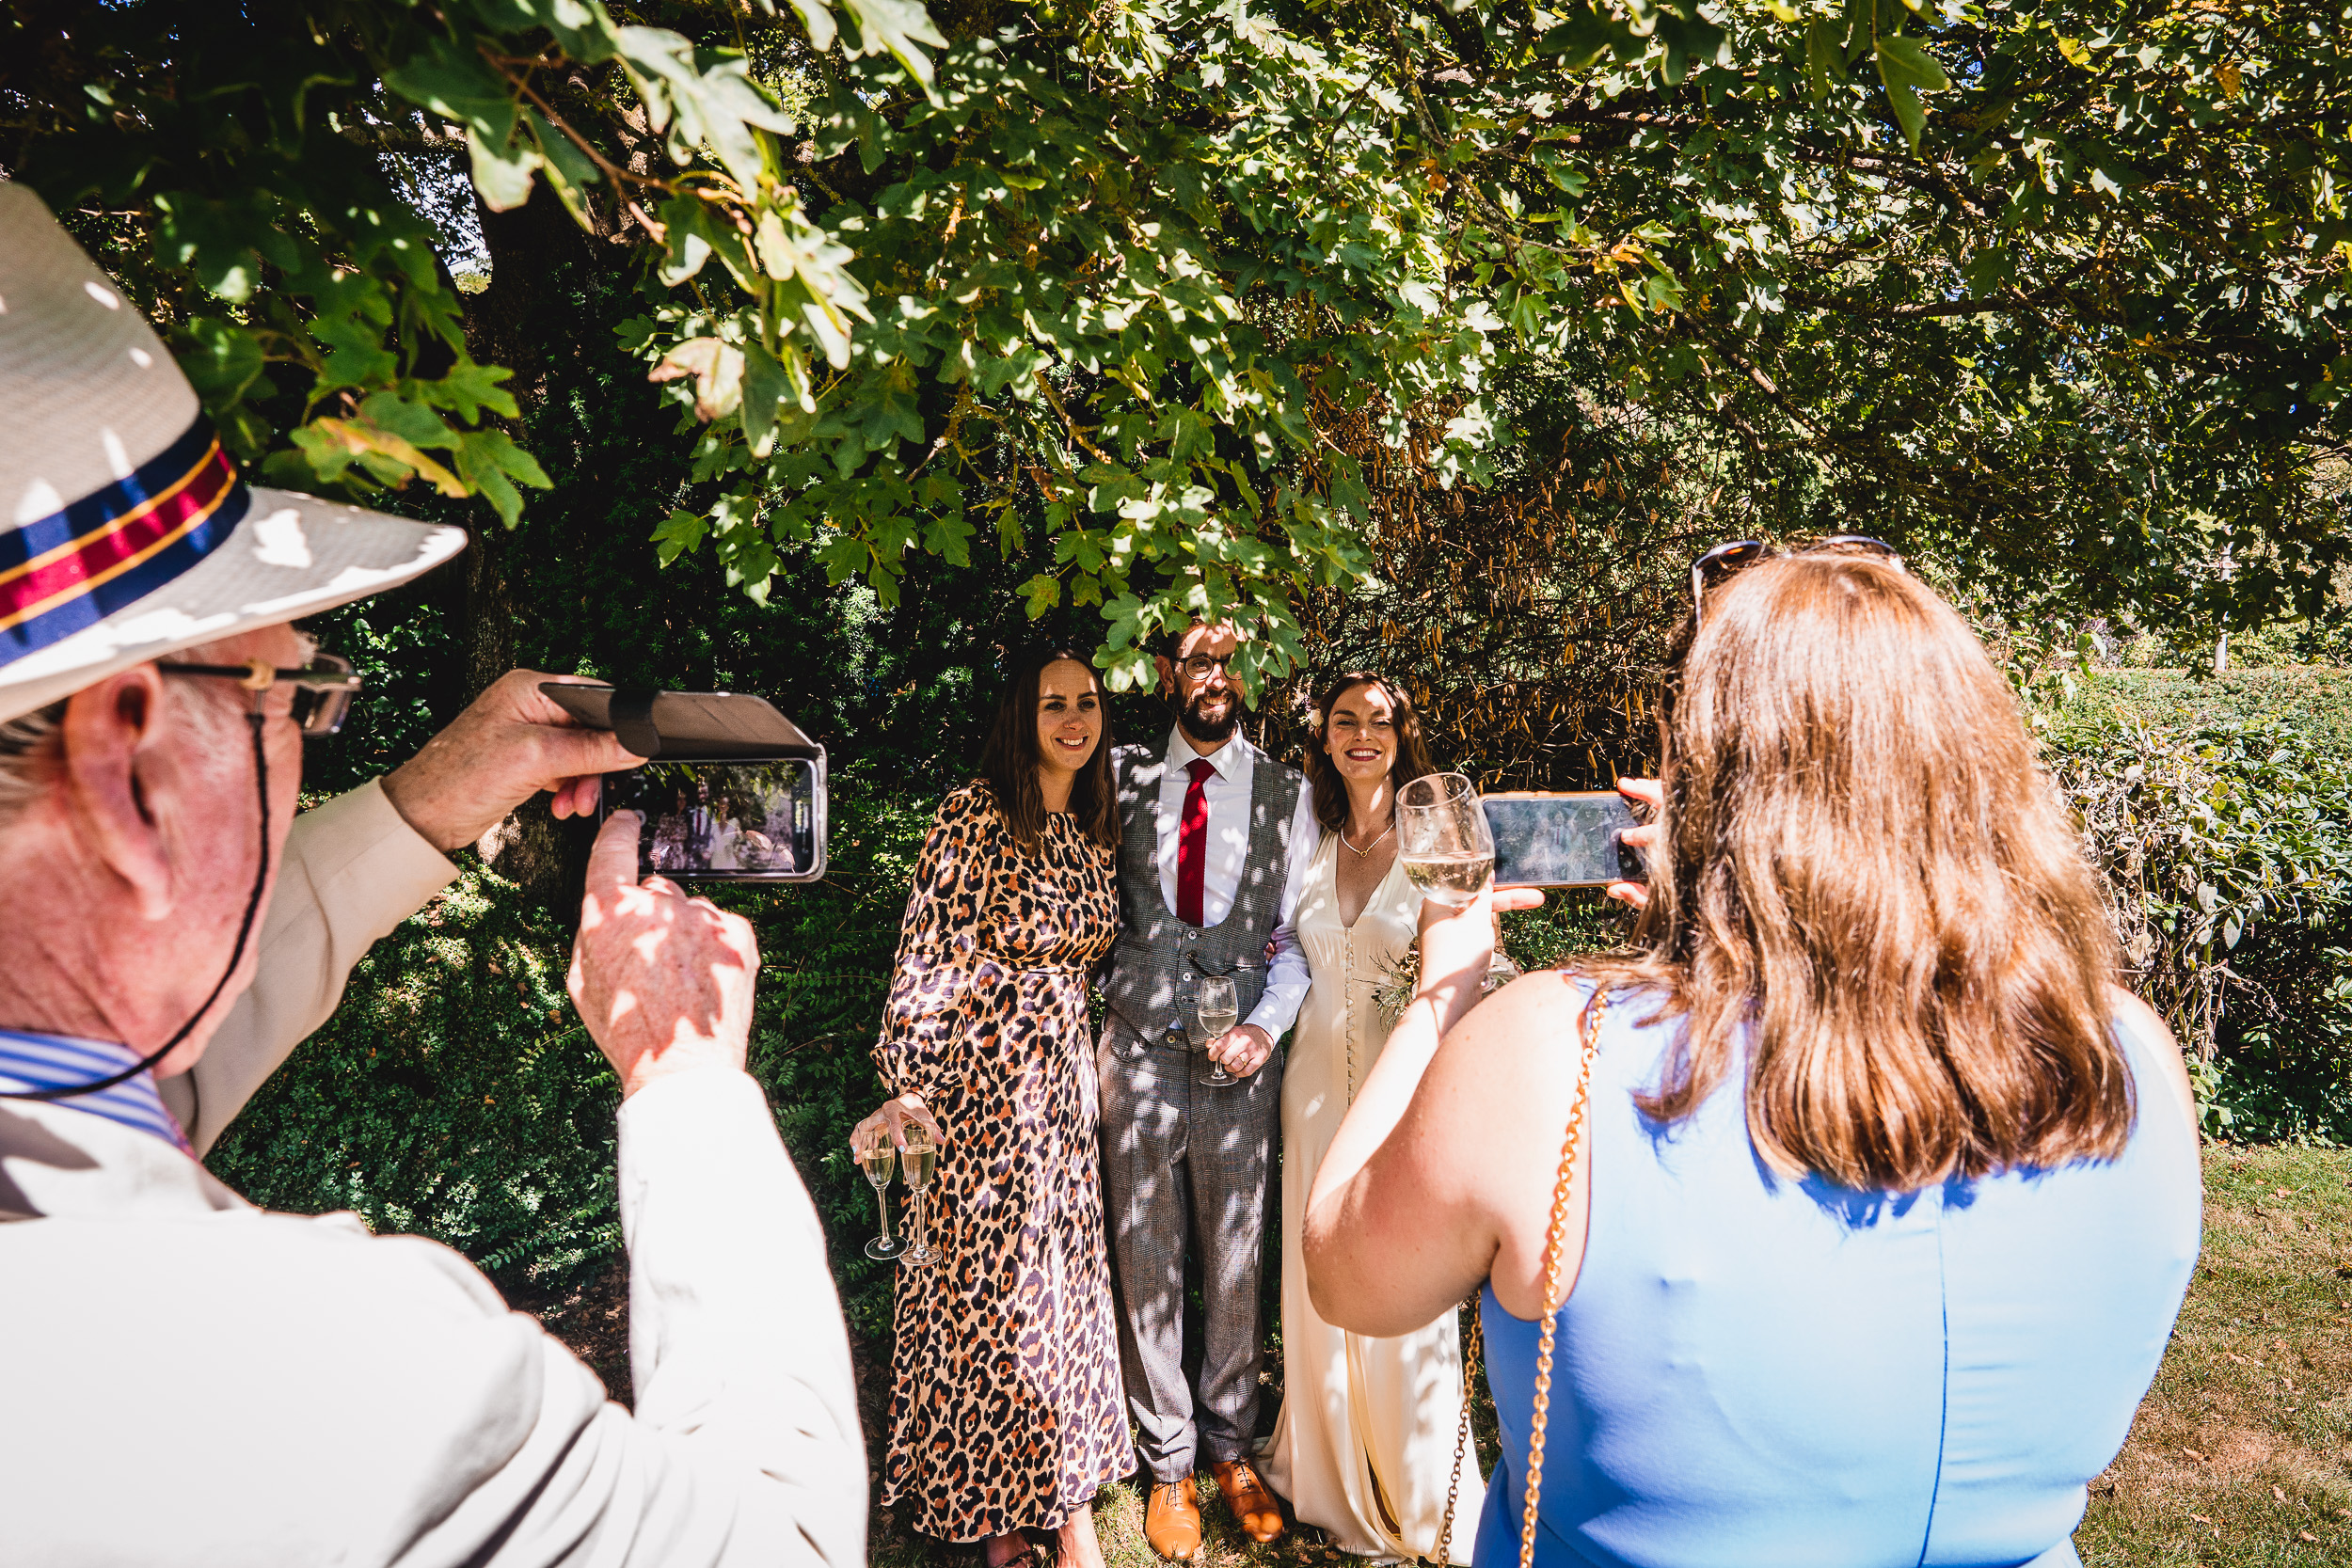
[(919, 1158), (1442, 839), (878, 1157), (1216, 1008)]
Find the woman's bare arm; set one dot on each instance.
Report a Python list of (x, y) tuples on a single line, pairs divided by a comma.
[(1408, 1206)]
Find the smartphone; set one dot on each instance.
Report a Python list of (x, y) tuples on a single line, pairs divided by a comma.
[(735, 792), (725, 821), (1571, 840)]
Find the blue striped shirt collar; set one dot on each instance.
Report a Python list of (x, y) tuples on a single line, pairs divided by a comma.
[(35, 1061)]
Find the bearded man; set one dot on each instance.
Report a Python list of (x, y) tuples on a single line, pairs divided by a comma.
[(1215, 842), (192, 1379)]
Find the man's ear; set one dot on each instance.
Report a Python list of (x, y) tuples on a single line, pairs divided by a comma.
[(109, 735), (1168, 674)]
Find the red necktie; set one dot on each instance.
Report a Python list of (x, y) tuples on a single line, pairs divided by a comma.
[(1192, 843)]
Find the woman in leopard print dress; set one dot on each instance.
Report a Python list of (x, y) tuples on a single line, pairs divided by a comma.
[(1005, 1408)]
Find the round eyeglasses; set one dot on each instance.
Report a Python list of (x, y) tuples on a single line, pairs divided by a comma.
[(323, 688)]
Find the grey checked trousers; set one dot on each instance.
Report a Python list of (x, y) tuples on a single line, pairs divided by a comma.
[(1186, 1164)]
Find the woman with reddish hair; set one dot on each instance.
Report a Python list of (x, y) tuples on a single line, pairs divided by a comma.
[(1842, 1220)]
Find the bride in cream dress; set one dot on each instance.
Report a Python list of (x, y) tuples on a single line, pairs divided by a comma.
[(1365, 1444)]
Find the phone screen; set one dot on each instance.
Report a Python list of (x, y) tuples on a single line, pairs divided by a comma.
[(1563, 840), (725, 821)]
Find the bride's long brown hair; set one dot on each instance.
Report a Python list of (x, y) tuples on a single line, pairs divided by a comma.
[(1864, 874)]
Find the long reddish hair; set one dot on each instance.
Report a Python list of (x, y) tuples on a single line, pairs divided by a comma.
[(1866, 882)]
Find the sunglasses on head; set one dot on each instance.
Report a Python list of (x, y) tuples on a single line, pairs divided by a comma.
[(1734, 554)]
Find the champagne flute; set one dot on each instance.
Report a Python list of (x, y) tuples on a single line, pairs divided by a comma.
[(1215, 1010), (878, 1159), (1443, 839), (920, 1160)]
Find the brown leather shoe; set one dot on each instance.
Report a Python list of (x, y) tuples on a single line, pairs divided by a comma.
[(1252, 1501), (1172, 1520)]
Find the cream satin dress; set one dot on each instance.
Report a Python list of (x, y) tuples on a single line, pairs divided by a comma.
[(1364, 1444)]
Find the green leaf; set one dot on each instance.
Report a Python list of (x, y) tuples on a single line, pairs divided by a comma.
[(452, 80), (1824, 59), (219, 360), (502, 173), (1906, 70), (1901, 59), (491, 463), (569, 170), (897, 25), (681, 534), (468, 391), (765, 384), (355, 352), (718, 370), (1044, 592), (413, 423)]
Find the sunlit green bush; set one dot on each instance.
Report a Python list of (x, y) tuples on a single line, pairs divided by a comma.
[(2226, 849)]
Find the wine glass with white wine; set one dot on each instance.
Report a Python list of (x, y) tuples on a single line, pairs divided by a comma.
[(1215, 1010), (1442, 839), (920, 1160), (878, 1160)]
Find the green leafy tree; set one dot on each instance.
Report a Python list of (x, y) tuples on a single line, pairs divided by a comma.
[(229, 160), (2050, 290)]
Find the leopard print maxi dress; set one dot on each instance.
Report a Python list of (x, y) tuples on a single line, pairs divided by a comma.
[(1006, 1408)]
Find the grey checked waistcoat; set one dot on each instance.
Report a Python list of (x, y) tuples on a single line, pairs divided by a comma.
[(1157, 953)]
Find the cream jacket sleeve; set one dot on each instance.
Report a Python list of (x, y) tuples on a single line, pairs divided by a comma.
[(207, 1386), (353, 870), (379, 1405)]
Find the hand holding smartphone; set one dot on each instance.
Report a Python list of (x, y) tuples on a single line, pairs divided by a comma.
[(1564, 840), (735, 792)]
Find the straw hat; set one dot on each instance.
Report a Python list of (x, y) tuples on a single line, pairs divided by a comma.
[(125, 533)]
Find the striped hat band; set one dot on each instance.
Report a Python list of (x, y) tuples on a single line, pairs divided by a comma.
[(125, 532)]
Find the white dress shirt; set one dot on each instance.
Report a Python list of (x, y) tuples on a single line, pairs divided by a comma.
[(1227, 796)]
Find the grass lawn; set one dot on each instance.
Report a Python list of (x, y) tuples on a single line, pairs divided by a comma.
[(2241, 1454)]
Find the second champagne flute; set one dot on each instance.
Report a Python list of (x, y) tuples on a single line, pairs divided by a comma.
[(1443, 839), (878, 1160), (1213, 1010), (920, 1160)]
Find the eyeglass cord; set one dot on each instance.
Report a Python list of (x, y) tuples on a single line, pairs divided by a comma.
[(236, 956)]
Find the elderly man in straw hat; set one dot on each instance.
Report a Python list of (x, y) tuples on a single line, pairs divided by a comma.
[(192, 1379)]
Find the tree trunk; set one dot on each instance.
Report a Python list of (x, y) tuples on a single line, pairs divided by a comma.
[(526, 245)]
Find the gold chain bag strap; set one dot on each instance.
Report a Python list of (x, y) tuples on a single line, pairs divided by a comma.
[(1555, 1247)]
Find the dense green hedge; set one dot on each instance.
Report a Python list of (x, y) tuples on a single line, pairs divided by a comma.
[(2219, 812)]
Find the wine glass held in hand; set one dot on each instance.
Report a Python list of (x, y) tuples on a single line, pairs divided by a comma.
[(1215, 1010), (1443, 839), (920, 1158), (878, 1159)]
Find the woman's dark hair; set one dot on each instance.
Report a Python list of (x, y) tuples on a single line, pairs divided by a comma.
[(1010, 761), (1412, 753)]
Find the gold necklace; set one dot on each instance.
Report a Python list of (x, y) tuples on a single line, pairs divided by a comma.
[(1367, 850)]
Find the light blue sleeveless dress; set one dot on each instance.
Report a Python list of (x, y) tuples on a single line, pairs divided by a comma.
[(1752, 1372)]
